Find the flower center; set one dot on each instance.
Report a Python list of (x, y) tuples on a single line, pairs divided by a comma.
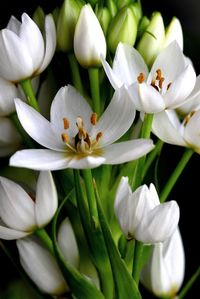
[(82, 142), (157, 82), (188, 117)]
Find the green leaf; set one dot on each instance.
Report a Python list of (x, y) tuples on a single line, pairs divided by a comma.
[(81, 287)]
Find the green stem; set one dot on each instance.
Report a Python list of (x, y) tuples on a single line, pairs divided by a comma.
[(87, 175), (189, 284), (137, 261), (76, 78), (176, 173), (46, 240), (94, 86), (28, 90), (130, 249)]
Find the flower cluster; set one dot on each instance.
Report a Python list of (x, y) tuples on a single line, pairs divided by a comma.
[(77, 197)]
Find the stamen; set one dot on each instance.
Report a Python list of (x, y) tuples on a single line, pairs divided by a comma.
[(93, 119), (188, 117), (66, 123), (159, 74), (98, 136), (161, 82), (141, 78), (153, 84), (168, 85), (65, 137)]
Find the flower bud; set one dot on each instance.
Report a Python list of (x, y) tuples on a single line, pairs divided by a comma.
[(137, 9), (66, 23), (164, 272), (89, 39), (152, 40), (104, 18), (144, 23), (112, 7), (122, 3), (123, 28), (39, 17), (174, 32)]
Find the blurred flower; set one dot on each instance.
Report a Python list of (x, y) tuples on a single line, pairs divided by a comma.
[(10, 140), (167, 86), (24, 52), (141, 216), (89, 39), (20, 215), (74, 137), (168, 127), (164, 272)]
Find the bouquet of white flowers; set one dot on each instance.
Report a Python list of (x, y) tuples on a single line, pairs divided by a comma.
[(90, 95)]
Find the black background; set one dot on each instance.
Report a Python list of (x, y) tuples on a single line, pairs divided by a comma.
[(186, 191)]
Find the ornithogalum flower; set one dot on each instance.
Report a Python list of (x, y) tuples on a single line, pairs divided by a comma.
[(10, 140), (24, 53), (20, 215), (8, 91), (168, 127), (74, 138), (163, 274), (89, 39), (166, 86), (141, 216)]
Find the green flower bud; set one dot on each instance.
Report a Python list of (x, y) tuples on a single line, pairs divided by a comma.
[(152, 39), (66, 24), (104, 17), (122, 3), (38, 17), (143, 24), (112, 7), (123, 28), (174, 32), (137, 9)]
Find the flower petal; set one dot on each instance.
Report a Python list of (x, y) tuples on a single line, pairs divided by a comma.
[(159, 223), (17, 208), (146, 98), (8, 92), (41, 266), (38, 127), (14, 25), (11, 234), (114, 80), (164, 129), (68, 103), (192, 131), (117, 118), (50, 42), (180, 88), (126, 151), (46, 202), (32, 39), (128, 64), (15, 60)]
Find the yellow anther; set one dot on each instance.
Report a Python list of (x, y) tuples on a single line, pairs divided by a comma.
[(161, 82), (66, 123), (168, 85), (141, 78), (159, 74), (65, 137), (98, 136), (93, 119)]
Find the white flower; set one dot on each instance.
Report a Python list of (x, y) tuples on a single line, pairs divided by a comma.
[(141, 216), (10, 140), (167, 86), (19, 214), (168, 127), (89, 39), (74, 137), (8, 91), (41, 265), (24, 52), (164, 273)]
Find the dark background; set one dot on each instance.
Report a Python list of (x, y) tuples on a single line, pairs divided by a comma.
[(186, 191)]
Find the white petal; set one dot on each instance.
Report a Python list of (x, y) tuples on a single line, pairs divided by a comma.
[(192, 131), (117, 118), (174, 32), (128, 64), (164, 129), (146, 98), (68, 103), (16, 63), (41, 266), (180, 88), (8, 133), (14, 25), (67, 243), (11, 234), (8, 92), (52, 160), (126, 151), (38, 127), (153, 195), (170, 61), (114, 80), (32, 39), (50, 42), (159, 224), (17, 208), (46, 202)]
